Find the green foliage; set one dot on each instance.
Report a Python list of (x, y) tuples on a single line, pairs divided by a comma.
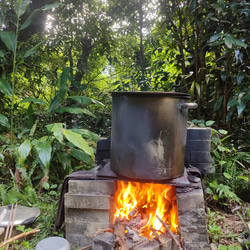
[(221, 192), (213, 229)]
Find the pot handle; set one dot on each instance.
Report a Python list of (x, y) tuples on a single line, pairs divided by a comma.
[(189, 105)]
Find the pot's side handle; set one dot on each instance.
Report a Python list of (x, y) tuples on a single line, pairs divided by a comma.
[(189, 105)]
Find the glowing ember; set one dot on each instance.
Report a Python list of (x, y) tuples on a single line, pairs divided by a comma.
[(141, 202)]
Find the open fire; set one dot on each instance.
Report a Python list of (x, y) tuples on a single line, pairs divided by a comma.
[(141, 205)]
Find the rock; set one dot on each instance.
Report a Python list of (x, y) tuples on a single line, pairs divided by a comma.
[(213, 246)]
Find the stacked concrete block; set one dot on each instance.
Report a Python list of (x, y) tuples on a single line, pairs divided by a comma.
[(192, 220), (198, 149), (88, 208)]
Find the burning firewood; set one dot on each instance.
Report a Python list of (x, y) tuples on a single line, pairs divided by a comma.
[(132, 234), (169, 231), (102, 230), (158, 236), (119, 236)]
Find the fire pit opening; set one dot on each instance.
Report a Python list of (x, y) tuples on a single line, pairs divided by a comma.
[(142, 206)]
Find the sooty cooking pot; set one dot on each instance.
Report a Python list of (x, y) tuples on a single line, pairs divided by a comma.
[(148, 135)]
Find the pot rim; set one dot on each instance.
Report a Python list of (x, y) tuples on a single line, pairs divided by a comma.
[(151, 94)]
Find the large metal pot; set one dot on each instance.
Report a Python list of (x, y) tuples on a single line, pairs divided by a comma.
[(148, 135)]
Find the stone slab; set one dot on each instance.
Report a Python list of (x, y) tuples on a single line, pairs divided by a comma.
[(103, 202), (85, 228), (102, 187), (190, 200), (89, 215), (78, 240)]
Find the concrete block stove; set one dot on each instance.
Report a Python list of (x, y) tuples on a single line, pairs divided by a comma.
[(149, 152), (89, 206)]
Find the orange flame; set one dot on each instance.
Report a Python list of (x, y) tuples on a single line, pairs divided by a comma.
[(146, 200)]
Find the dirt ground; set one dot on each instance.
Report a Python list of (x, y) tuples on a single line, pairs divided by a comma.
[(229, 225)]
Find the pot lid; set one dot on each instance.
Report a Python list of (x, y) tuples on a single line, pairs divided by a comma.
[(24, 215), (151, 94)]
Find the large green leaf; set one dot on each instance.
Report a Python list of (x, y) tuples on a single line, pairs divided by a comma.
[(33, 99), (229, 41), (240, 77), (9, 39), (21, 6), (78, 141), (23, 152), (74, 110), (64, 77), (232, 102), (51, 6), (56, 128), (14, 196), (4, 121), (65, 160), (81, 99), (86, 134), (240, 106), (240, 43), (85, 100), (5, 87), (28, 20), (56, 101), (218, 103), (81, 156), (44, 149), (215, 37), (31, 51), (223, 75)]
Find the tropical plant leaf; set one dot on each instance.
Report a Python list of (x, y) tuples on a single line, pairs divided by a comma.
[(51, 6), (209, 123), (65, 160), (4, 121), (240, 43), (229, 41), (218, 103), (86, 134), (44, 149), (78, 141), (64, 77), (240, 106), (85, 100), (222, 131), (223, 75), (31, 195), (5, 87), (56, 128), (227, 175), (56, 101), (215, 37), (33, 99), (82, 156), (33, 50), (28, 20), (20, 7), (240, 77), (74, 110), (23, 152), (9, 39), (198, 88), (14, 196)]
